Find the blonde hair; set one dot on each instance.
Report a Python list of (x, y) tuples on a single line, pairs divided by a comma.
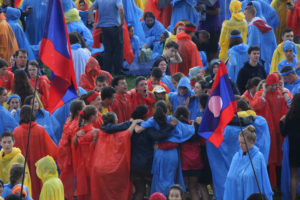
[(249, 133)]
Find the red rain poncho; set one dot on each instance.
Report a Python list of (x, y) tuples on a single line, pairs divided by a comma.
[(43, 88), (7, 81), (189, 54), (137, 99), (40, 145), (87, 81), (163, 15), (122, 107), (110, 169)]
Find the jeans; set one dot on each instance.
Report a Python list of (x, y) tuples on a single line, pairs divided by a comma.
[(112, 39)]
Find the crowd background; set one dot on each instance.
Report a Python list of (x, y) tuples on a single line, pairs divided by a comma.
[(145, 69)]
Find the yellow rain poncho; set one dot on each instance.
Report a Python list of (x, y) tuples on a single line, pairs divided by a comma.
[(282, 11), (278, 56), (237, 21), (7, 161), (8, 42), (140, 4), (53, 188), (72, 15), (87, 2)]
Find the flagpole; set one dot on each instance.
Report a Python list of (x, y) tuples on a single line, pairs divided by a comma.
[(247, 149), (28, 137)]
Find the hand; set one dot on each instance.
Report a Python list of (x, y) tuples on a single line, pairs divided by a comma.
[(80, 133), (198, 120), (137, 121), (173, 121), (264, 89)]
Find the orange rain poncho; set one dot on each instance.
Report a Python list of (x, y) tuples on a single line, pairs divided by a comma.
[(8, 42), (237, 21), (189, 54)]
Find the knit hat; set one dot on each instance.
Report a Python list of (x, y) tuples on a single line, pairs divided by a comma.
[(272, 78), (157, 196)]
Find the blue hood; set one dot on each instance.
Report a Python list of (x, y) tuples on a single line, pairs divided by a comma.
[(12, 14), (241, 48), (67, 5), (185, 82)]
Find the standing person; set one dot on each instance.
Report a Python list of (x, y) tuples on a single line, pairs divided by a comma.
[(278, 55), (272, 102), (8, 45), (46, 170), (7, 121), (40, 145), (241, 182), (121, 105), (251, 87), (251, 69), (291, 78), (166, 79), (155, 79), (107, 99), (290, 129), (289, 49), (170, 55), (6, 77), (21, 60), (237, 21), (262, 35), (294, 21), (111, 20), (36, 20), (42, 82), (187, 50)]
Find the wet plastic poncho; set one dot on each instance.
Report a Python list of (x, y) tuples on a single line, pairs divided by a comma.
[(220, 159), (12, 17), (262, 35), (194, 108), (237, 21), (279, 55), (133, 15), (36, 20), (265, 11), (241, 183), (40, 145), (282, 11), (46, 170), (238, 55), (153, 34), (175, 98), (7, 121), (189, 54), (110, 177), (8, 160), (49, 123), (166, 163), (184, 10), (163, 15), (8, 44), (293, 19)]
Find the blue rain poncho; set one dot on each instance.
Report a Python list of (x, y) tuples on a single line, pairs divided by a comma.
[(153, 34), (184, 9), (220, 159), (166, 79), (36, 20), (7, 121), (133, 14), (194, 108), (175, 98), (238, 55), (166, 163), (241, 183), (12, 17)]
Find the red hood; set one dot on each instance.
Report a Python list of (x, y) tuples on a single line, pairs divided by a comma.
[(92, 64), (183, 36)]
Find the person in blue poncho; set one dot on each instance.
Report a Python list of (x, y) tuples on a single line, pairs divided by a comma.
[(158, 47), (152, 29), (161, 63), (220, 158), (194, 102), (12, 17), (74, 22), (132, 17), (184, 90), (237, 54), (241, 182), (166, 168), (290, 52), (262, 35), (14, 102), (7, 121), (184, 10), (36, 20), (43, 118), (291, 78)]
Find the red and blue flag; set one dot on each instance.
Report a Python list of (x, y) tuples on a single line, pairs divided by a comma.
[(55, 52), (220, 109)]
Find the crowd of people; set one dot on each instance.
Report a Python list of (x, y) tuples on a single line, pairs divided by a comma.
[(118, 143)]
